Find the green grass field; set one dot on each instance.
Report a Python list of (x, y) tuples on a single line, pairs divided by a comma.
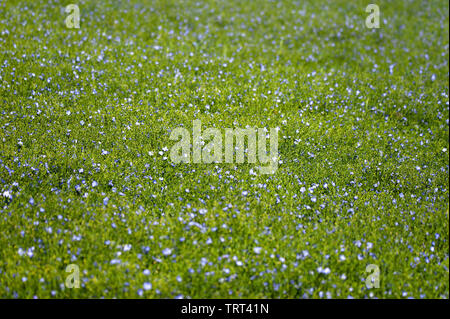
[(86, 178)]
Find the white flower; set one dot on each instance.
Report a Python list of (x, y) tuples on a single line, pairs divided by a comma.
[(257, 250), (147, 286), (324, 271), (30, 252), (7, 194)]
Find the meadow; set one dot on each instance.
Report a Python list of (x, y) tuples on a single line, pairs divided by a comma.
[(363, 135)]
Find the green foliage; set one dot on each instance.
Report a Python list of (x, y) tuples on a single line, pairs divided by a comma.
[(86, 114)]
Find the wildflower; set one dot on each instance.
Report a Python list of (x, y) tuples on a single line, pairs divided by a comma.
[(257, 250), (7, 194), (147, 286)]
